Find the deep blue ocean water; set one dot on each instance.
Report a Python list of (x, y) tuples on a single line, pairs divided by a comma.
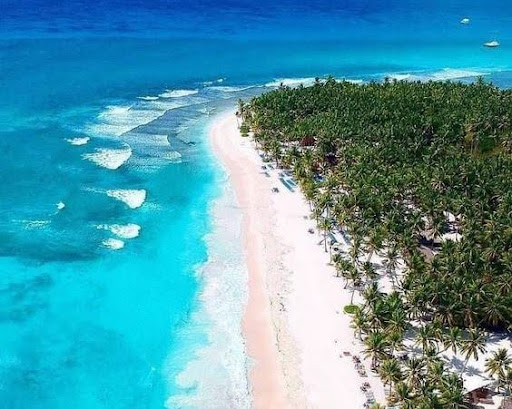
[(111, 267)]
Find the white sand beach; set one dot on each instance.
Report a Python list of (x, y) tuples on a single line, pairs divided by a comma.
[(295, 329)]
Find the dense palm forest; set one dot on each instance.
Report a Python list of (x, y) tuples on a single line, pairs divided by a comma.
[(420, 174)]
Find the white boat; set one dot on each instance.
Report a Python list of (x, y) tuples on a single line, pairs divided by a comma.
[(465, 21), (492, 44)]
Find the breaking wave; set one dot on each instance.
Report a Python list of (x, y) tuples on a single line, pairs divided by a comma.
[(133, 198), (109, 158)]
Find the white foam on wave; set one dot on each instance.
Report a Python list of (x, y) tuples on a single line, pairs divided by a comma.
[(178, 93), (449, 73), (109, 158), (113, 244), (148, 98), (78, 141), (217, 81), (133, 198), (291, 82), (230, 89), (166, 104), (400, 77), (117, 120), (445, 74), (35, 224), (124, 231), (217, 372)]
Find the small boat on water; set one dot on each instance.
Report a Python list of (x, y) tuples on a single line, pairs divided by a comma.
[(464, 21), (492, 44)]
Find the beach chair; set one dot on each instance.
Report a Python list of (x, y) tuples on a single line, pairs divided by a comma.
[(286, 184)]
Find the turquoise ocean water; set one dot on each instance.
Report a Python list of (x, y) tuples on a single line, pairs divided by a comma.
[(121, 278)]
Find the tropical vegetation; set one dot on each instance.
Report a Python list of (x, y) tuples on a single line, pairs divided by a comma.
[(421, 175)]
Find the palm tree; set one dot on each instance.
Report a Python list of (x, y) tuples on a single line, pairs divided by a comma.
[(495, 310), (498, 365), (414, 372), (473, 346), (404, 395), (426, 337), (435, 371), (395, 339), (354, 276), (374, 242), (391, 262), (452, 339), (360, 322), (390, 372), (372, 295), (507, 379), (355, 249), (343, 266), (369, 272), (325, 225), (240, 112), (376, 346), (452, 392)]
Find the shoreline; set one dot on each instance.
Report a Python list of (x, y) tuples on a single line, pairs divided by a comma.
[(267, 383), (296, 333)]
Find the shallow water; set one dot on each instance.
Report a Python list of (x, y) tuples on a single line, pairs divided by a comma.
[(120, 284)]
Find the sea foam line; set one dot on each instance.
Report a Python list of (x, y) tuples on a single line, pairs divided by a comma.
[(230, 89), (445, 74), (178, 93), (148, 98), (217, 374)]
